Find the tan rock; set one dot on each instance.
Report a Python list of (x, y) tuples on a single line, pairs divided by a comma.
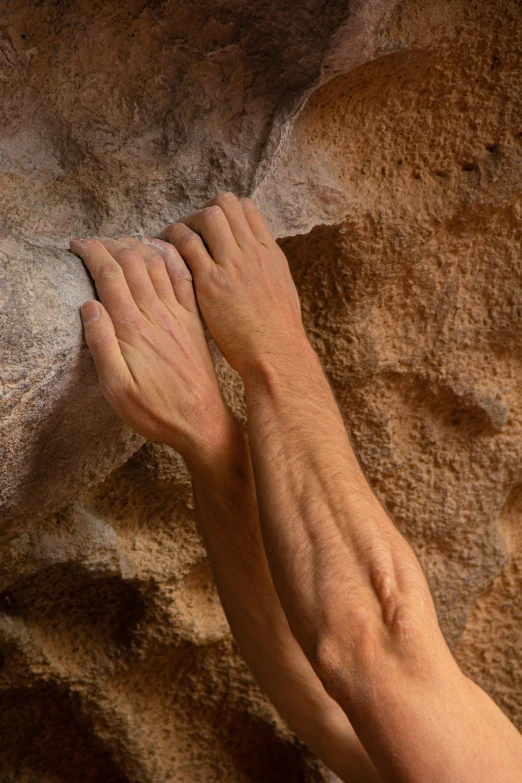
[(385, 147)]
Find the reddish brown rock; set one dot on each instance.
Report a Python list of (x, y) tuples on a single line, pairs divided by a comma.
[(117, 119), (385, 147)]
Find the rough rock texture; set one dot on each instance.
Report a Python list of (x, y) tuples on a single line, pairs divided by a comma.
[(384, 142), (117, 118), (57, 433)]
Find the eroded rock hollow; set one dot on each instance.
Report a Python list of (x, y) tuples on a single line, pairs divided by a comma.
[(383, 140)]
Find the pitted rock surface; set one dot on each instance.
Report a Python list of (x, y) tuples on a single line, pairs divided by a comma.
[(384, 143), (118, 119)]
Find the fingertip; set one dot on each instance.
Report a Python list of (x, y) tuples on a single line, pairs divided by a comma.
[(90, 312), (128, 241), (168, 252), (165, 233), (159, 244), (84, 247), (110, 242), (249, 205), (212, 210), (256, 220), (76, 245)]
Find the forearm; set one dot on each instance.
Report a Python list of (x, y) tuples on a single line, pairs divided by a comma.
[(339, 565), (226, 508), (227, 513)]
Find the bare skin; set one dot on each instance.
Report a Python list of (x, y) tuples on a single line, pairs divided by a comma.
[(216, 451), (326, 599)]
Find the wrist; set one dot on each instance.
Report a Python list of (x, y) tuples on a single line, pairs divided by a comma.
[(209, 457), (292, 360)]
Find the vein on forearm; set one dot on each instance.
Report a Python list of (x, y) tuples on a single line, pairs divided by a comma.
[(328, 540)]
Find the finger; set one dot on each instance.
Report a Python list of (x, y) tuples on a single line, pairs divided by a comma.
[(111, 284), (156, 268), (190, 247), (135, 271), (103, 343), (178, 272), (235, 215), (256, 222), (211, 224)]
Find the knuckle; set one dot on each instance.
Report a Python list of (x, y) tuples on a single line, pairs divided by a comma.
[(257, 254), (155, 261), (128, 256), (136, 322), (162, 317), (99, 341), (189, 238), (216, 280), (133, 323), (109, 271), (181, 272), (247, 203), (176, 266)]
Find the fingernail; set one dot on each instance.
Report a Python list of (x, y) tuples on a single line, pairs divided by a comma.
[(90, 311)]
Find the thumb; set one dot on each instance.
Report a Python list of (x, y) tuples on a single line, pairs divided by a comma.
[(103, 343)]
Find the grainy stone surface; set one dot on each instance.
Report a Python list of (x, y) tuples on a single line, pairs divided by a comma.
[(118, 118), (384, 143), (57, 433)]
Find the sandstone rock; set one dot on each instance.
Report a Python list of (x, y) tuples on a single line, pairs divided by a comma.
[(117, 121), (384, 144), (57, 433)]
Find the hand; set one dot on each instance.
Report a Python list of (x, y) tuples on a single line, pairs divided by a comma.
[(149, 345), (243, 284)]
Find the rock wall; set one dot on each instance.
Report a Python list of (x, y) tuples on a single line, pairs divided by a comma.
[(384, 142)]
